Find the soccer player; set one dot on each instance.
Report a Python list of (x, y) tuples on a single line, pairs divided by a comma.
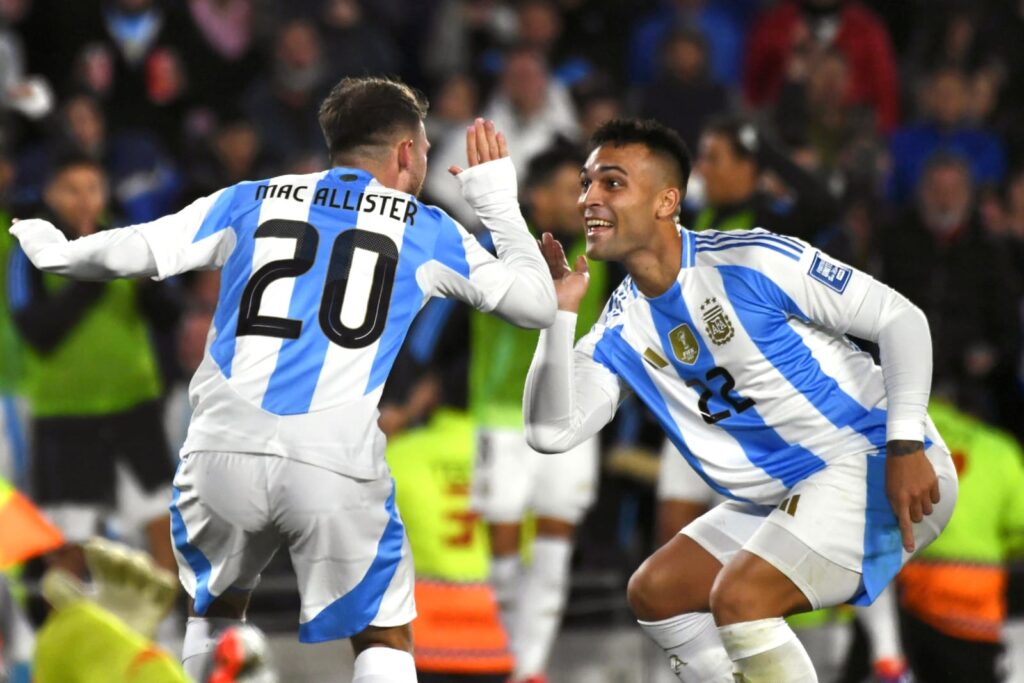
[(321, 276), (735, 341)]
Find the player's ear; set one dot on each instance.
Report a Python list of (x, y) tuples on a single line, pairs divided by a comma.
[(405, 153), (669, 200)]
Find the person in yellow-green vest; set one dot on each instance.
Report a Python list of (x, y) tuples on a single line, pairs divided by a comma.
[(92, 382), (13, 454), (953, 595), (511, 479), (458, 635), (732, 158)]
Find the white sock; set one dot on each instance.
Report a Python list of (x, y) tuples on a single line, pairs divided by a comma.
[(767, 651), (880, 621), (695, 652), (504, 578), (540, 603), (384, 665), (201, 636)]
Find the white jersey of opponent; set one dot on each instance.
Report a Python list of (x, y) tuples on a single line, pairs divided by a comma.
[(322, 275), (744, 361)]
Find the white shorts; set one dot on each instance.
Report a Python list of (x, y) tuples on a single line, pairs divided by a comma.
[(834, 534), (231, 511), (510, 478)]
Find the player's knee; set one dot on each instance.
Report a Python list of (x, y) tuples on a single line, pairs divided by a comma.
[(395, 637), (733, 600), (646, 591), (738, 595)]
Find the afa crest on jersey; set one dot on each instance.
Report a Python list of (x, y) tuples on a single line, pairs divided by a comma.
[(716, 323)]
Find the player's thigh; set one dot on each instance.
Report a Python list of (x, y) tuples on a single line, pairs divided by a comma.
[(565, 484), (349, 549), (503, 475), (221, 527), (835, 535)]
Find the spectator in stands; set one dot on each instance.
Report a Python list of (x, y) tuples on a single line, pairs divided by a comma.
[(144, 180), (937, 255), (452, 107), (944, 128), (91, 381), (813, 113), (596, 108), (731, 159), (953, 594), (714, 21), (531, 108), (810, 25), (682, 96), (283, 106), (229, 55), (461, 31), (138, 63), (354, 44), (233, 152)]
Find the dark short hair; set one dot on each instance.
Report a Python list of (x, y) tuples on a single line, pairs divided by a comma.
[(729, 126), (366, 112), (543, 166), (73, 159), (653, 135)]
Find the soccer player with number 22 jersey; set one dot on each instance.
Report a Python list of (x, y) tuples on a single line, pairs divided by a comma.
[(736, 342)]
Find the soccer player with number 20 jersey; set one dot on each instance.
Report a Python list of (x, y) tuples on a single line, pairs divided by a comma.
[(322, 275)]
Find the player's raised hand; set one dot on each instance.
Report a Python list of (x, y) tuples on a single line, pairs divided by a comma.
[(42, 242), (570, 285), (483, 143), (911, 486)]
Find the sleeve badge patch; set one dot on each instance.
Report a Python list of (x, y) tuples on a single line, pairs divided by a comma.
[(830, 274)]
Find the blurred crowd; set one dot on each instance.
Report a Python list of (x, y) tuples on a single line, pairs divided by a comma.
[(887, 132)]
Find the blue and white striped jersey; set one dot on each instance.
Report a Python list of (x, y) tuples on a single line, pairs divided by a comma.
[(322, 276), (744, 361)]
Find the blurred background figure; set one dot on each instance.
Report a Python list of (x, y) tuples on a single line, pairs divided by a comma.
[(529, 106), (945, 128), (731, 159), (511, 481), (283, 107), (683, 96), (459, 635), (144, 180), (811, 26), (92, 382), (937, 254), (953, 596)]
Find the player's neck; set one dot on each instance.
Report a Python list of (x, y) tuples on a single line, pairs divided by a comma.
[(656, 267)]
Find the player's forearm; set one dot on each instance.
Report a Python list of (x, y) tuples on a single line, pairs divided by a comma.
[(905, 346), (491, 190), (102, 256), (560, 407)]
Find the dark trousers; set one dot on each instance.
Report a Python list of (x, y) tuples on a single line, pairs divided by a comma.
[(936, 657)]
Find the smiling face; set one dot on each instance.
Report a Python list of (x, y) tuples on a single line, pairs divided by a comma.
[(627, 190)]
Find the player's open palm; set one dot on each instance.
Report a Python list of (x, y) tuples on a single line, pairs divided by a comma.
[(911, 486), (483, 143), (570, 285)]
